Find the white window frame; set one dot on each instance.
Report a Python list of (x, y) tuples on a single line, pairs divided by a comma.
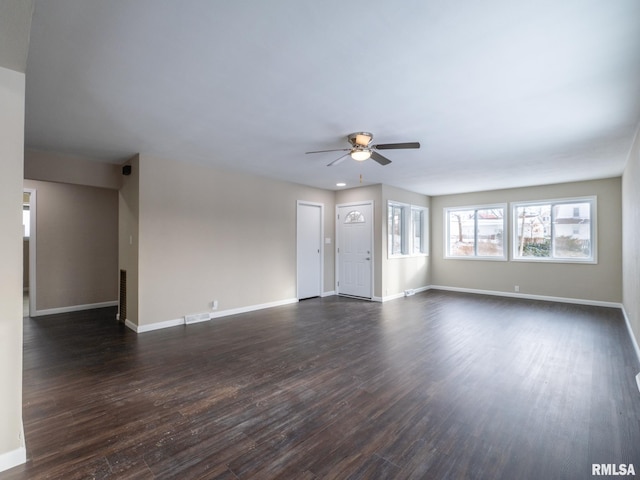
[(423, 248), (505, 243), (406, 230), (592, 200)]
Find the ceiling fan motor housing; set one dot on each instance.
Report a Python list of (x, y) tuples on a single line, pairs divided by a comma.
[(360, 139)]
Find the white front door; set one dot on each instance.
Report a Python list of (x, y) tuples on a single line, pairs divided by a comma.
[(355, 253), (309, 249)]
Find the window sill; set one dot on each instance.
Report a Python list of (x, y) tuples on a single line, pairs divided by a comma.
[(586, 261), (489, 259), (412, 255)]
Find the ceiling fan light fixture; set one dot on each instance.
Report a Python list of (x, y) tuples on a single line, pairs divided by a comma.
[(361, 154)]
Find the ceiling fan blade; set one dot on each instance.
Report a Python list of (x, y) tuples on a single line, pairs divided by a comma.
[(380, 159), (334, 150), (392, 146), (338, 160)]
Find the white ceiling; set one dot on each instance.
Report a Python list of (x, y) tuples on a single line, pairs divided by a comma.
[(500, 93)]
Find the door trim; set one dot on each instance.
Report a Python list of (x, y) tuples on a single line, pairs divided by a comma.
[(321, 243), (337, 253), (32, 250)]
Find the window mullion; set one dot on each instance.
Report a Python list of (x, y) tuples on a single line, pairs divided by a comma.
[(553, 231), (403, 216), (475, 233)]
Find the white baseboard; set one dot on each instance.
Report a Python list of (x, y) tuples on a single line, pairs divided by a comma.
[(14, 457), (73, 308), (633, 340), (395, 296), (252, 308), (328, 294), (216, 314), (153, 326), (578, 301)]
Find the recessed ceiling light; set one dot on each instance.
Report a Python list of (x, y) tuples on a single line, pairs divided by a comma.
[(341, 184)]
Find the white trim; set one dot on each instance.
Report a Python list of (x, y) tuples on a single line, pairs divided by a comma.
[(14, 457), (396, 296), (447, 234), (73, 308), (578, 301), (252, 308), (633, 339), (223, 313), (328, 294), (33, 206), (371, 203), (593, 226), (321, 279), (407, 230), (154, 326)]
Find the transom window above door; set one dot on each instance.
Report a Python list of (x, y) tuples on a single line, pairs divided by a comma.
[(354, 217)]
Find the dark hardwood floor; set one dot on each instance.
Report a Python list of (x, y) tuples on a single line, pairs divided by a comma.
[(440, 385)]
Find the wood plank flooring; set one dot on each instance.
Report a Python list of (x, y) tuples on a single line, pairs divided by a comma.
[(440, 385)]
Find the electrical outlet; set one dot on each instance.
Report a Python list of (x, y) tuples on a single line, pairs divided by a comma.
[(214, 305), (517, 288)]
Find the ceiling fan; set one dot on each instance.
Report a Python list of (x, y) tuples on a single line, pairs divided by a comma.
[(361, 149)]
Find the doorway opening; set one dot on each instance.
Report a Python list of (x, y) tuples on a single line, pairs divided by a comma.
[(28, 251)]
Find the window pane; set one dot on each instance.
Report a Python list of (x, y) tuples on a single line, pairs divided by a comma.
[(354, 217), (572, 230), (461, 233), (490, 234), (394, 226), (417, 219), (534, 231)]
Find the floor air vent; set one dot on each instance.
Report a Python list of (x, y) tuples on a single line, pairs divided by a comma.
[(197, 317)]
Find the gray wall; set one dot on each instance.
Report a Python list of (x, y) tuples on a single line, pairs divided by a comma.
[(631, 239), (391, 276), (76, 245), (601, 282), (206, 234), (400, 274), (128, 236), (25, 264), (15, 24), (12, 88), (55, 167)]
